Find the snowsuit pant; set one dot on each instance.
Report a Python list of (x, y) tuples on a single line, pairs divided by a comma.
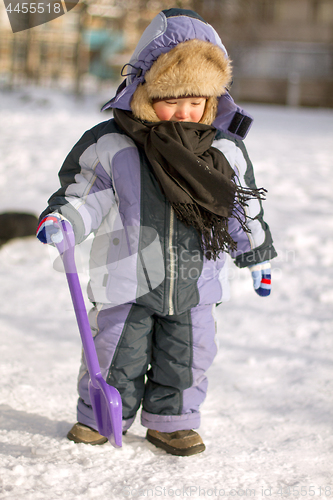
[(157, 361)]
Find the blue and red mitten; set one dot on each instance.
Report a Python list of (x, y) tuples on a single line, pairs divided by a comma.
[(49, 230), (261, 275)]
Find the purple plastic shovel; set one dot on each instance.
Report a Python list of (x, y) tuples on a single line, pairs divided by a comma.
[(105, 399)]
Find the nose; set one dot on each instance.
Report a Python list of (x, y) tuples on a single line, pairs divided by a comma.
[(182, 111)]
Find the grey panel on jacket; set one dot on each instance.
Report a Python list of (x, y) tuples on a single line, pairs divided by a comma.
[(185, 245), (266, 250)]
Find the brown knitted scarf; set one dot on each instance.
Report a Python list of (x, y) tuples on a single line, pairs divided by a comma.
[(196, 178)]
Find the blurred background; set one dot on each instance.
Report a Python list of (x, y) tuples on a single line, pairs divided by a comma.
[(267, 421), (282, 50)]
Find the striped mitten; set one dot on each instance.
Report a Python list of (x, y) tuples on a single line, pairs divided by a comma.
[(49, 230), (261, 275)]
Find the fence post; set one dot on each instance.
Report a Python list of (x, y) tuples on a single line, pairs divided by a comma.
[(293, 89)]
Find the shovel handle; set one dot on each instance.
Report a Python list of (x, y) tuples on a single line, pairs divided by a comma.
[(66, 250)]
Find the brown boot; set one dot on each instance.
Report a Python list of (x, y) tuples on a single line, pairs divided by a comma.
[(182, 443), (80, 433)]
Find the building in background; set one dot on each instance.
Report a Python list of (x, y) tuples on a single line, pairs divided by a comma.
[(282, 50), (50, 53), (91, 42)]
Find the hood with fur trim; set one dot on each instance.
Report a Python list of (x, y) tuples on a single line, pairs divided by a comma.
[(192, 68), (171, 38)]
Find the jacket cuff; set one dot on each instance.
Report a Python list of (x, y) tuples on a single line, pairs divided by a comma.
[(75, 219), (255, 256)]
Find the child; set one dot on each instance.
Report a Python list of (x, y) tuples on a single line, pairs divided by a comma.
[(167, 187)]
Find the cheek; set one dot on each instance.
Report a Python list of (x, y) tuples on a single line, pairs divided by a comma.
[(163, 113), (197, 113)]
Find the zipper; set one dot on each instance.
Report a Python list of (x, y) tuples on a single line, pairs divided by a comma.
[(171, 309)]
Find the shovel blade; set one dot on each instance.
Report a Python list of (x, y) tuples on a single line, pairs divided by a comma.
[(107, 407)]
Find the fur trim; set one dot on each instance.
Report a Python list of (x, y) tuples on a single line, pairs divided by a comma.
[(192, 68), (141, 105), (210, 111)]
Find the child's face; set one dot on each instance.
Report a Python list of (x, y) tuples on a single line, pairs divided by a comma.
[(185, 109)]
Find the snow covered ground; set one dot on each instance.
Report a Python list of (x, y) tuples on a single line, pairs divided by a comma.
[(267, 421)]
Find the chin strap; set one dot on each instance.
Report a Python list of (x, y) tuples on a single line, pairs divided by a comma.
[(231, 118)]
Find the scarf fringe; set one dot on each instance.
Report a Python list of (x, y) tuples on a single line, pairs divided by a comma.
[(213, 230)]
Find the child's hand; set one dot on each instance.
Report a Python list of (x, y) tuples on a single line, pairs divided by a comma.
[(261, 275), (49, 230)]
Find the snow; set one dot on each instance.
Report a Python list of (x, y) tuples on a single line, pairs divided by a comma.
[(267, 420)]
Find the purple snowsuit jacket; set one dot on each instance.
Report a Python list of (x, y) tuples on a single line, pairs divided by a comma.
[(141, 252)]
